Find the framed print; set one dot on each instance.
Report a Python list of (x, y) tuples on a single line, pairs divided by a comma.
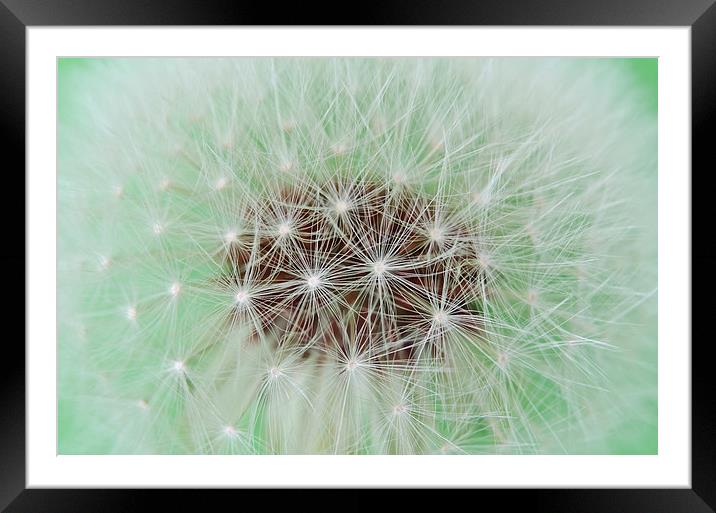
[(414, 255)]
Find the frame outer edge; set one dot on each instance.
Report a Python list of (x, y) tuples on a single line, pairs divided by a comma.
[(12, 377), (703, 97), (12, 102)]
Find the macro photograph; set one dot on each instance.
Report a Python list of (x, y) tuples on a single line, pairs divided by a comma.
[(357, 256)]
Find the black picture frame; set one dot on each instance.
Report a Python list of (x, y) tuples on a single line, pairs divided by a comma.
[(700, 15)]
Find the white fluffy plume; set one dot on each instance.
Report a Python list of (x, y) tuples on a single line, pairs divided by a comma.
[(355, 256)]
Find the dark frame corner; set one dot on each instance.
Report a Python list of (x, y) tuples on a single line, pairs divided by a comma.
[(700, 15)]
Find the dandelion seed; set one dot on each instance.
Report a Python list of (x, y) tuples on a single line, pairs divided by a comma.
[(175, 289), (502, 360), (484, 259), (179, 367), (284, 229), (230, 237), (532, 233), (132, 313), (436, 234), (436, 144), (157, 228), (341, 206), (104, 263), (313, 282), (288, 125), (379, 268), (339, 149), (378, 124), (532, 297), (399, 409), (441, 317), (221, 183), (478, 198), (242, 297)]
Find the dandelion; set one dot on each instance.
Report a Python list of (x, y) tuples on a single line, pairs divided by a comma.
[(356, 256)]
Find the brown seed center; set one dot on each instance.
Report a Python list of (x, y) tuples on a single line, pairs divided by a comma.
[(355, 272)]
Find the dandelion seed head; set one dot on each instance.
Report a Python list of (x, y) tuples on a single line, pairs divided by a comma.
[(387, 248)]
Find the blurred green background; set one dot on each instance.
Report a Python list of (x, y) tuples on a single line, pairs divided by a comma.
[(644, 71)]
